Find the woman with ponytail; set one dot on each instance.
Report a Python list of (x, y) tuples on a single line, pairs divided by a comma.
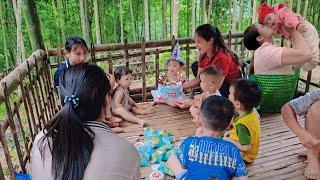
[(214, 52), (76, 144)]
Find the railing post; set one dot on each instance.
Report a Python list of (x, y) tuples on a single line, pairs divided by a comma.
[(229, 39), (187, 60), (126, 52), (308, 82), (12, 125), (157, 67), (143, 68)]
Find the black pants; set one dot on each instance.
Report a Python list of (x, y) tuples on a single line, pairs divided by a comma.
[(224, 89)]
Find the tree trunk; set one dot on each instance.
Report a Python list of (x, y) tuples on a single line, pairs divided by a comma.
[(133, 26), (193, 14), (298, 6), (84, 20), (209, 9), (164, 19), (254, 11), (175, 17), (17, 6), (305, 8), (205, 15), (61, 20), (4, 33), (241, 16), (121, 22), (97, 21), (234, 17), (146, 20)]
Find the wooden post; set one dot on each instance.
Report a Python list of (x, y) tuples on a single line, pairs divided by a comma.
[(229, 39), (187, 60), (22, 88), (16, 110), (126, 52), (12, 126), (59, 55), (143, 68), (308, 81), (44, 104), (6, 151), (27, 95), (110, 64), (157, 67)]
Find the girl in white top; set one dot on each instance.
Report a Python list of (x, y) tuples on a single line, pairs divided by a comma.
[(75, 144)]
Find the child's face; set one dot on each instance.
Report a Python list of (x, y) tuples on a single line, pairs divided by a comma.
[(174, 67), (270, 20), (207, 84), (125, 80), (77, 55), (236, 103)]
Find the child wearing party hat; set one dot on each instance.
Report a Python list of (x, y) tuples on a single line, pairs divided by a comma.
[(282, 19), (170, 87)]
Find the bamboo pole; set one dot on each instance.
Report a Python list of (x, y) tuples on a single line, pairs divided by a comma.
[(143, 69), (11, 79)]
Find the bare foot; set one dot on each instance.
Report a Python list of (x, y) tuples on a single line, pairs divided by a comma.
[(150, 110), (142, 123), (303, 154), (118, 130), (313, 170)]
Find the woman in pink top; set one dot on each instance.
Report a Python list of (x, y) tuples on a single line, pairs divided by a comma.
[(279, 17), (76, 144), (271, 59)]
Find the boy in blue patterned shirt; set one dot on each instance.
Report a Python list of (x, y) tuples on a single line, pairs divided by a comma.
[(206, 156)]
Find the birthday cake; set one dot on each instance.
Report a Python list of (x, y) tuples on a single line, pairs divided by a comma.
[(170, 91)]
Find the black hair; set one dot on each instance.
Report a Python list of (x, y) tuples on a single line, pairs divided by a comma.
[(216, 112), (247, 92), (212, 70), (250, 38), (207, 31), (121, 71), (74, 41), (70, 141)]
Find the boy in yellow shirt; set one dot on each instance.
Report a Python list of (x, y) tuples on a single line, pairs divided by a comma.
[(245, 130)]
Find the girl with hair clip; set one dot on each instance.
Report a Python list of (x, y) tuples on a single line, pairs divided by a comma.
[(74, 144), (214, 52)]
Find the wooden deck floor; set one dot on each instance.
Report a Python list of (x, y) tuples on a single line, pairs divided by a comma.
[(277, 159)]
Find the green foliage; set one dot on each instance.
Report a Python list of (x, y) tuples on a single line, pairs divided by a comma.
[(109, 17)]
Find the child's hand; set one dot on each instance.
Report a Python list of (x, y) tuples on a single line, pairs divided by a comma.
[(185, 103), (194, 111), (227, 139), (302, 28)]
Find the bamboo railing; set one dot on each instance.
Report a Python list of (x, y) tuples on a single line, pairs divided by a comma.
[(28, 95), (29, 100)]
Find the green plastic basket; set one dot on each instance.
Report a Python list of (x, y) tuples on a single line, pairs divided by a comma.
[(276, 90)]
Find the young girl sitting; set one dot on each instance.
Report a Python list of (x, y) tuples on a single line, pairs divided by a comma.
[(280, 18), (122, 104), (175, 78)]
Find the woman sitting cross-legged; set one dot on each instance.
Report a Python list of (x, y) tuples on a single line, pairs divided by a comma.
[(76, 144)]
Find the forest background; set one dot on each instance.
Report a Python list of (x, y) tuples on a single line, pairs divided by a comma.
[(117, 21)]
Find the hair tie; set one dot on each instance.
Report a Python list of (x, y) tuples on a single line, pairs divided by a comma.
[(73, 100)]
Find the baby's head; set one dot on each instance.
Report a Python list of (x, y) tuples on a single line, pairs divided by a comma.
[(174, 66), (76, 50), (266, 15), (123, 76), (216, 113), (210, 79), (245, 94)]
